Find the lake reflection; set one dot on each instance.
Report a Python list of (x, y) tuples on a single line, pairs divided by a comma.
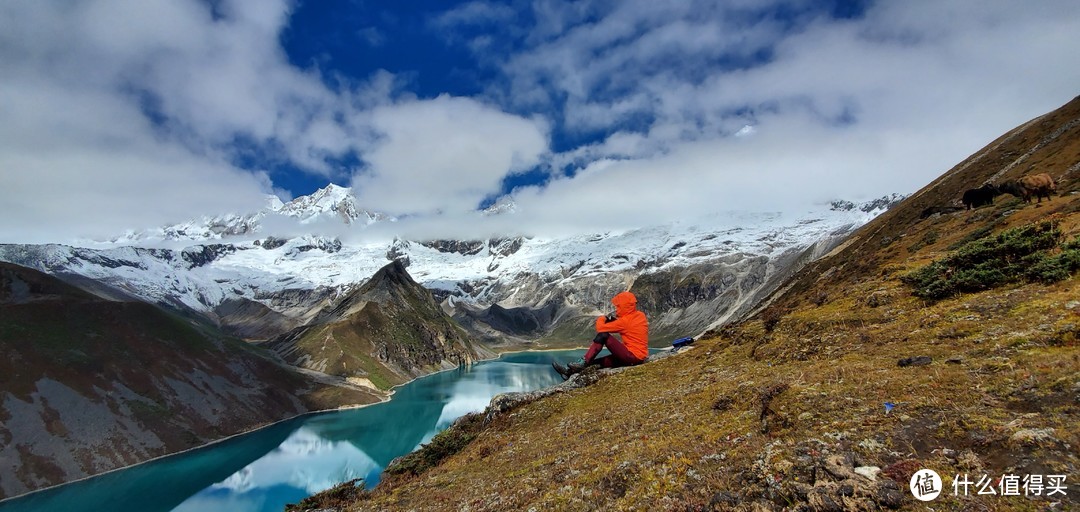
[(264, 470), (333, 448)]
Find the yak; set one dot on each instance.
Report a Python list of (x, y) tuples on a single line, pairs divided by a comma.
[(1039, 185), (982, 196)]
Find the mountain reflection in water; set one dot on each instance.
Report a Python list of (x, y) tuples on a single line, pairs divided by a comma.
[(264, 470)]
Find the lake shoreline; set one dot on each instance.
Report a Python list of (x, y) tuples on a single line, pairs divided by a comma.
[(390, 394), (498, 355)]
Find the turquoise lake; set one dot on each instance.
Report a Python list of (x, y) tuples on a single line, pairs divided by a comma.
[(285, 462)]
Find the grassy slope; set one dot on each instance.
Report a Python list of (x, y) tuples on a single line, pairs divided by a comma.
[(687, 432), (94, 347)]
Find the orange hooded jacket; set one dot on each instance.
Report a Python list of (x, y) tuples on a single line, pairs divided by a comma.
[(631, 324)]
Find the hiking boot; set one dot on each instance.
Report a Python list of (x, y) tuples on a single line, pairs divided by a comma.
[(575, 367), (569, 369), (562, 370)]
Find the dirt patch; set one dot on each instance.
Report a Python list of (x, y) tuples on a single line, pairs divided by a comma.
[(36, 469), (770, 419), (51, 418), (619, 480)]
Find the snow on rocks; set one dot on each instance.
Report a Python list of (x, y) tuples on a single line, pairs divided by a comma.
[(238, 257)]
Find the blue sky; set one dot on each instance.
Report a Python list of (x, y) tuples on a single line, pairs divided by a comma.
[(589, 115), (430, 46)]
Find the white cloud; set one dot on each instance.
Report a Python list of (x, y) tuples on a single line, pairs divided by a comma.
[(123, 114), (372, 36), (118, 114), (474, 13), (840, 109), (444, 155)]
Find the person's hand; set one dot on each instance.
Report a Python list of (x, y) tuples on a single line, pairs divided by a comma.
[(610, 317)]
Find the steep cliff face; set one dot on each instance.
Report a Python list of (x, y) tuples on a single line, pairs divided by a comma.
[(88, 385), (387, 331)]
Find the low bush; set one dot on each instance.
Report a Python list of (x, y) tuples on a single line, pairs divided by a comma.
[(335, 498), (1030, 253), (443, 445)]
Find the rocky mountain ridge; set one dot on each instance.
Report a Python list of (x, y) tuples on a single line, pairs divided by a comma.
[(257, 285), (332, 201), (384, 333)]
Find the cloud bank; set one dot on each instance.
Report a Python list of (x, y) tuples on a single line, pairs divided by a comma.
[(443, 155), (124, 114)]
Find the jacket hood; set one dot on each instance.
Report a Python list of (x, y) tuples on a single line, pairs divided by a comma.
[(625, 303)]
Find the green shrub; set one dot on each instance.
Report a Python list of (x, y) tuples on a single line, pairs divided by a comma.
[(335, 498), (443, 445), (1015, 255), (981, 232)]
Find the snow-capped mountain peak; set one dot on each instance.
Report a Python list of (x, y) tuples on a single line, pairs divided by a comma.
[(273, 203), (503, 205), (241, 259), (331, 200)]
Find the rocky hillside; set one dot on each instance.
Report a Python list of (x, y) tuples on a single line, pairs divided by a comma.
[(89, 384), (934, 337), (388, 331)]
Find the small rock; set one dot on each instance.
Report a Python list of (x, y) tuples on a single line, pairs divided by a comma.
[(888, 495), (915, 361), (806, 416), (870, 472), (871, 445), (954, 360), (1033, 436), (840, 466)]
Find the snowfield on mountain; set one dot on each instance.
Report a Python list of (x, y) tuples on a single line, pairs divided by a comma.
[(236, 257)]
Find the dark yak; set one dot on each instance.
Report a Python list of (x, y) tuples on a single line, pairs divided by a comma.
[(982, 196), (1040, 185)]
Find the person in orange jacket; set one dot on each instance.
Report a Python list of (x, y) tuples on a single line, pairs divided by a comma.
[(629, 324)]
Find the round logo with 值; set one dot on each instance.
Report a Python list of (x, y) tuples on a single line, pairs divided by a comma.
[(925, 485)]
